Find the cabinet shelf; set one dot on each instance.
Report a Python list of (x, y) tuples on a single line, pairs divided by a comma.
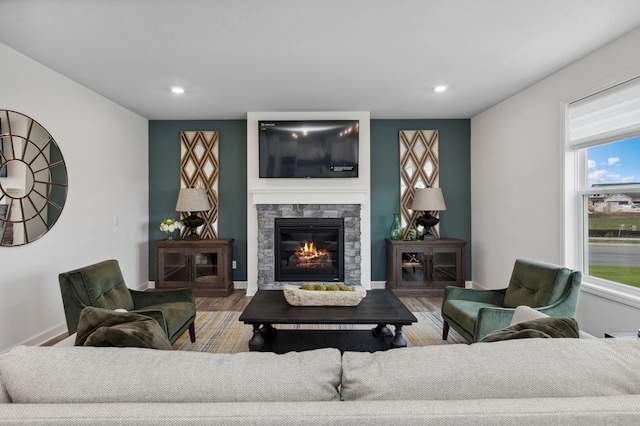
[(425, 268), (204, 265)]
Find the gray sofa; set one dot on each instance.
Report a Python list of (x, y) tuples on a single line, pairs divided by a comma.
[(527, 381)]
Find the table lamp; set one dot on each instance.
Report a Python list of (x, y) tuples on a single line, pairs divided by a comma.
[(192, 200), (428, 200)]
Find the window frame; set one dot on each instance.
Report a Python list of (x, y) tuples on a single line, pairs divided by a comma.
[(576, 191)]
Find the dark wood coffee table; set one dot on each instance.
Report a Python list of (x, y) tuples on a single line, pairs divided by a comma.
[(381, 307)]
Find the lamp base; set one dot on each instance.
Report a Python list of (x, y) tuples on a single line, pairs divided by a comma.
[(193, 222), (428, 222), (428, 236)]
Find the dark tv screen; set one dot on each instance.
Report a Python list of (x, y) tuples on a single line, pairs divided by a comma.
[(308, 149)]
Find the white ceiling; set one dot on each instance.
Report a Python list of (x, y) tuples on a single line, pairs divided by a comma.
[(382, 56)]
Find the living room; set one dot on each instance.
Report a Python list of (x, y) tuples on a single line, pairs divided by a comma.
[(496, 167)]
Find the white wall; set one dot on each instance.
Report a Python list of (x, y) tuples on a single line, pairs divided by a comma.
[(106, 151), (517, 178)]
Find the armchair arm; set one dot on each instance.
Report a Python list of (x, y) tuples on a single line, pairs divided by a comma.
[(566, 305), (492, 319), (142, 299), (155, 314), (494, 297)]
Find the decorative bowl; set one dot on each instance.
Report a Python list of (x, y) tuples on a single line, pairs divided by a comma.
[(298, 297)]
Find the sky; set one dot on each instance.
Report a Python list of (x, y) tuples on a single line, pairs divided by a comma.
[(616, 162)]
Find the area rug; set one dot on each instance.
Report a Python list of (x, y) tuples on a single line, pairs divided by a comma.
[(222, 332)]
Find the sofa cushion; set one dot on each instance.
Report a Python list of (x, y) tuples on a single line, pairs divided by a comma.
[(549, 327), (102, 327), (525, 368), (90, 374)]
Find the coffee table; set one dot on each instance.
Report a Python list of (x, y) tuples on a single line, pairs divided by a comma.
[(380, 307)]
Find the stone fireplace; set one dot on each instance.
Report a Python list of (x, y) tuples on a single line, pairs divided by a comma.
[(322, 224)]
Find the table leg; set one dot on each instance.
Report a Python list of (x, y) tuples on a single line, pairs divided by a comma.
[(268, 331), (398, 341), (257, 341), (381, 330)]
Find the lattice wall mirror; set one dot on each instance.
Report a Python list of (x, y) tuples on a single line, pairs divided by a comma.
[(33, 179)]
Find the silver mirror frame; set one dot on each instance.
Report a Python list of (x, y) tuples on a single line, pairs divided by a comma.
[(33, 179)]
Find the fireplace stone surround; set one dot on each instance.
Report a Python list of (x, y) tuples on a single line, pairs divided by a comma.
[(267, 213)]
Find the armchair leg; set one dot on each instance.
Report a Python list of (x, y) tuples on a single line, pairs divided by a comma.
[(445, 330), (192, 331)]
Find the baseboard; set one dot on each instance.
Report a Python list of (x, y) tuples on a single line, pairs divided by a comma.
[(237, 285), (474, 285), (378, 285), (42, 338)]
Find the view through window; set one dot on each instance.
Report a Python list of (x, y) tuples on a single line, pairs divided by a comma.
[(611, 197)]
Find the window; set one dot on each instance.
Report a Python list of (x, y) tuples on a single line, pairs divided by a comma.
[(603, 149)]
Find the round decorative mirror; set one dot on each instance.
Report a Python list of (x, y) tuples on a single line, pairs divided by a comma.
[(33, 179)]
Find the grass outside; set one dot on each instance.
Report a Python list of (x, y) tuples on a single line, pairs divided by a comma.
[(612, 221), (629, 275)]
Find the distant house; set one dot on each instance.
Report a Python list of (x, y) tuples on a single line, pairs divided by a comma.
[(621, 199)]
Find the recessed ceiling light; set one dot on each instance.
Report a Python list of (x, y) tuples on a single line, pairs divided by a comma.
[(177, 90), (440, 88)]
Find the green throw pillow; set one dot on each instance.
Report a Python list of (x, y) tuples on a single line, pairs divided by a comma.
[(102, 327), (549, 327)]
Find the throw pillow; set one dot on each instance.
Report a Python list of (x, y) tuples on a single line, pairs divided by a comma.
[(103, 327), (548, 327)]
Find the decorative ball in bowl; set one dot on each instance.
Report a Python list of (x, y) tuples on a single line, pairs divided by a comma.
[(298, 296)]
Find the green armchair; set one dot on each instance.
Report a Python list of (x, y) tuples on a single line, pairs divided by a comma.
[(101, 285), (548, 288)]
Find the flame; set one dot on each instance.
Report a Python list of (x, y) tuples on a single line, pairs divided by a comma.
[(308, 252)]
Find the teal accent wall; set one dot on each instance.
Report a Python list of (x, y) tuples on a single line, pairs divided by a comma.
[(164, 182), (455, 181)]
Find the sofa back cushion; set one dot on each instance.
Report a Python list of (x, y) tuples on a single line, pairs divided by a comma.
[(526, 368), (90, 374), (535, 284)]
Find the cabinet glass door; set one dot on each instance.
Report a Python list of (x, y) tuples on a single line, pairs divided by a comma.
[(174, 267), (413, 266), (206, 267), (444, 267)]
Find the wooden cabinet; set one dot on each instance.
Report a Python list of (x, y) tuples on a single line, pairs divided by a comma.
[(204, 265), (425, 268)]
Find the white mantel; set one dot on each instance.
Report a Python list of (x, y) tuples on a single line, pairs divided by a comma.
[(307, 191)]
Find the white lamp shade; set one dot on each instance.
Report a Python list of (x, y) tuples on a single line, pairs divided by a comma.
[(428, 200), (192, 200)]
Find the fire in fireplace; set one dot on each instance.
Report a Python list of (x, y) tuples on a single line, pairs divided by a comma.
[(309, 249)]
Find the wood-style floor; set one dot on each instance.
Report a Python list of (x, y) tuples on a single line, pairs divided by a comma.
[(238, 300)]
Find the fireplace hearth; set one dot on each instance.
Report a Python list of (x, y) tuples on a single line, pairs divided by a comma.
[(309, 249)]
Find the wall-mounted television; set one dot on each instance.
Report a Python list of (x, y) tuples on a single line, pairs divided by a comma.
[(308, 148)]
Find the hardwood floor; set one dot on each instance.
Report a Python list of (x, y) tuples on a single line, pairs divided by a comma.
[(238, 300)]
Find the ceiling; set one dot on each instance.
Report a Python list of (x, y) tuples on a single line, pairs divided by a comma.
[(382, 56)]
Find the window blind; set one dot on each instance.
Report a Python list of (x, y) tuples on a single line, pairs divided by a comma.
[(607, 116)]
